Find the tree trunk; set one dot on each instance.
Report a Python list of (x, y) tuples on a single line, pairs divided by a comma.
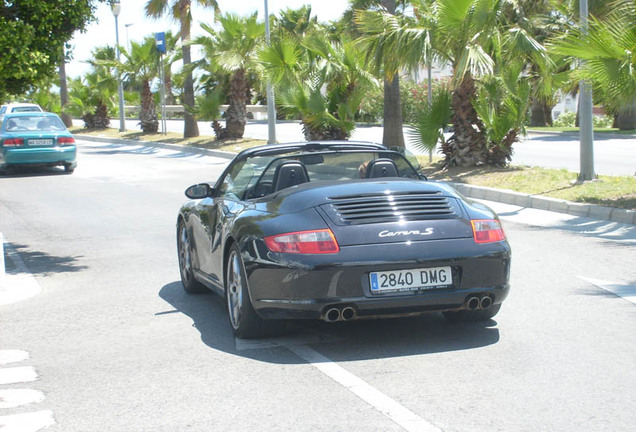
[(190, 126), (540, 113), (393, 133), (147, 114), (168, 83), (68, 122), (467, 146), (237, 110), (626, 118)]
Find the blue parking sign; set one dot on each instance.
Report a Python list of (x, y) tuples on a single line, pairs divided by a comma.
[(160, 42)]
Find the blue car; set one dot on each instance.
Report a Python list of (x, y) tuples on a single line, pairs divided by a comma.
[(36, 139)]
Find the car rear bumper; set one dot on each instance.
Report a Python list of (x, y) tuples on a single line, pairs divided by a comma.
[(39, 156), (309, 286)]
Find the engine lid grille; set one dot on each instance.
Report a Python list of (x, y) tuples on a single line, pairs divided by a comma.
[(396, 207)]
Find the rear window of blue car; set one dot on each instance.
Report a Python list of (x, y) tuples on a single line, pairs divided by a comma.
[(33, 124)]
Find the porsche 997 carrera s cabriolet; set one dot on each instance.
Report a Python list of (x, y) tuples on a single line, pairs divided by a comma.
[(338, 231)]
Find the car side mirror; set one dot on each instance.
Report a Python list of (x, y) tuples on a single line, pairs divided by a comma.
[(199, 191)]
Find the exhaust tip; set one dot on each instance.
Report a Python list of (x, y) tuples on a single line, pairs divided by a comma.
[(332, 315), (485, 302), (348, 313), (472, 303)]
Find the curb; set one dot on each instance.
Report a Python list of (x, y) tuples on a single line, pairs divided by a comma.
[(546, 203), (478, 192), (176, 147)]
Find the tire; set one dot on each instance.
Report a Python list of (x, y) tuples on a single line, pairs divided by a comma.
[(69, 168), (184, 249), (472, 315), (244, 321)]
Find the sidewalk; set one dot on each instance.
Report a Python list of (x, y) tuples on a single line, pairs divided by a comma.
[(477, 192)]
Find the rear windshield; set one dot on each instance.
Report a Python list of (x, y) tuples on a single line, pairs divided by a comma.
[(26, 109), (33, 123)]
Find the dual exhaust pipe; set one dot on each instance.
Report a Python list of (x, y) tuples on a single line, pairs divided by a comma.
[(334, 314), (474, 303)]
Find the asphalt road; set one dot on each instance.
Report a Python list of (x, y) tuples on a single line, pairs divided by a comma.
[(112, 343), (613, 154)]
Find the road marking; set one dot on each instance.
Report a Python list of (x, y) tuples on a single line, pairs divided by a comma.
[(401, 415), (19, 284), (18, 374), (628, 292), (12, 356), (27, 422), (18, 397)]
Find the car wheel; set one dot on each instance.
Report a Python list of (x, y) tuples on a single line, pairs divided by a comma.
[(472, 315), (69, 168), (243, 318), (184, 247)]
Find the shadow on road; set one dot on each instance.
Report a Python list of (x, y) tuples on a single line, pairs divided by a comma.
[(38, 263), (352, 341)]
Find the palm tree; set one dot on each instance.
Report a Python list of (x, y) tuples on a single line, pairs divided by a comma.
[(321, 81), (232, 49), (389, 68), (470, 36), (181, 11), (607, 60), (141, 66), (102, 85)]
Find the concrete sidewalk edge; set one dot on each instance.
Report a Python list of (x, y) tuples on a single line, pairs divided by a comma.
[(546, 203), (479, 192)]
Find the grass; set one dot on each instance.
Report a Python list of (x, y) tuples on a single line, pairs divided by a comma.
[(611, 191), (559, 129), (208, 142)]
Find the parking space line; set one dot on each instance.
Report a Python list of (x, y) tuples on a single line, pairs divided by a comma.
[(27, 422), (18, 374), (399, 414), (627, 292)]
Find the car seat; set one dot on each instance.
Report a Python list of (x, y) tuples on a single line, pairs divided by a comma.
[(289, 173), (382, 168)]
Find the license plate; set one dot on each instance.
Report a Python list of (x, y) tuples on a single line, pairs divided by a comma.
[(41, 142), (410, 280)]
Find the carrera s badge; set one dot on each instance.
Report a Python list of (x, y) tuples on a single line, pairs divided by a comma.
[(387, 233)]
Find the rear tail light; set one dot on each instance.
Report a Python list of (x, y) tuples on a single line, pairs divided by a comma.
[(487, 231), (66, 140), (304, 242), (13, 142)]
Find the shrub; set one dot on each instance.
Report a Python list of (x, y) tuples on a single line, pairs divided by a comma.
[(567, 119)]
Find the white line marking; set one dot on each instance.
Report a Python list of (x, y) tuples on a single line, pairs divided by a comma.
[(628, 292), (19, 286), (401, 415), (19, 374), (27, 422), (18, 397), (12, 356)]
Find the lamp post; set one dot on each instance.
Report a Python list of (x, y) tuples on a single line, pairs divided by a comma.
[(115, 6), (586, 125), (127, 42), (271, 109)]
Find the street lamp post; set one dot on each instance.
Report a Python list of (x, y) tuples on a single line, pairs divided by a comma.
[(115, 6), (586, 125), (271, 108)]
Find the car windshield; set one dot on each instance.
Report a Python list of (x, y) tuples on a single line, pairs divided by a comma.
[(33, 124), (255, 176)]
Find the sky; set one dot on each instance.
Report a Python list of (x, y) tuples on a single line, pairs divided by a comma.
[(134, 26)]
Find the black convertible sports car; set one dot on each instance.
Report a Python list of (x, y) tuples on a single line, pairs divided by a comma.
[(338, 231)]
